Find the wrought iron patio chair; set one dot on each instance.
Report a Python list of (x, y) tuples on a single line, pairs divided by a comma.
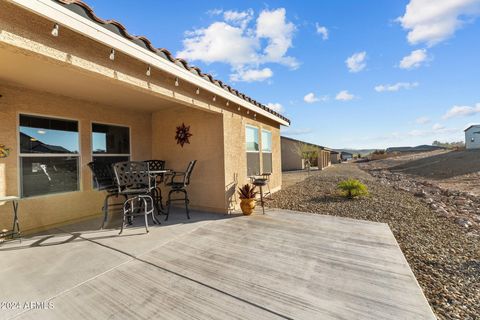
[(104, 180), (156, 165), (179, 186), (133, 180)]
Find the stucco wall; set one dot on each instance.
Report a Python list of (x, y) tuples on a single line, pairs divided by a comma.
[(53, 209), (291, 160), (335, 158), (206, 146), (236, 156), (324, 159)]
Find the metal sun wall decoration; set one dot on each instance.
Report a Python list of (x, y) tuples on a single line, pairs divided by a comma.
[(183, 134), (4, 151)]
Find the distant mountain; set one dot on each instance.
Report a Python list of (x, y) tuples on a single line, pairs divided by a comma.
[(421, 148), (363, 152)]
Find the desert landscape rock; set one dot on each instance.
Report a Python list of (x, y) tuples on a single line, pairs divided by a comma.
[(443, 253)]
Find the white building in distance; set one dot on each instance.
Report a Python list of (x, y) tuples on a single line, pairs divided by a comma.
[(472, 137)]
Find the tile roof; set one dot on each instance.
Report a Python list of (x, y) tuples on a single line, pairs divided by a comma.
[(84, 10)]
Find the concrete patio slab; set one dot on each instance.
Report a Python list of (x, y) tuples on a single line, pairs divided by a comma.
[(41, 267), (282, 265)]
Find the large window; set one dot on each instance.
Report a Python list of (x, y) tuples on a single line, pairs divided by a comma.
[(110, 143), (253, 150), (266, 151), (49, 155)]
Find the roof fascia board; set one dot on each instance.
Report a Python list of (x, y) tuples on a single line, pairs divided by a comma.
[(58, 14)]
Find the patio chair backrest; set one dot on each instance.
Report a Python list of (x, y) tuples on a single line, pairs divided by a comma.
[(188, 172), (103, 175), (131, 174), (155, 165)]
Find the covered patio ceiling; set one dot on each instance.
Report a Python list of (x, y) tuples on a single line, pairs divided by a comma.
[(25, 69)]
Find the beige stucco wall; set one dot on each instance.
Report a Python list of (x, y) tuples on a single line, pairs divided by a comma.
[(335, 158), (291, 159), (52, 209), (324, 160), (236, 157), (206, 146)]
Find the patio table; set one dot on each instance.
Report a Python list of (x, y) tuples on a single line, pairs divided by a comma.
[(16, 226)]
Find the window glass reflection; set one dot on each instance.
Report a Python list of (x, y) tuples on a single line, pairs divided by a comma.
[(45, 135), (46, 175)]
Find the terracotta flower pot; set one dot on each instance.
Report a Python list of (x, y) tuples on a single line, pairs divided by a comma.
[(247, 206)]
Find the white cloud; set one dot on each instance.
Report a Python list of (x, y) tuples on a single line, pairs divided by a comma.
[(433, 21), (321, 30), (344, 95), (356, 62), (272, 25), (462, 111), (220, 42), (395, 87), (276, 107), (414, 59), (243, 43), (312, 98), (215, 12), (422, 120), (438, 126), (251, 75), (240, 18)]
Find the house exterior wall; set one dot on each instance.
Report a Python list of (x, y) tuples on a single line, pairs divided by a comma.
[(206, 190), (52, 209), (218, 140), (236, 155), (291, 159), (324, 159), (472, 139), (335, 158)]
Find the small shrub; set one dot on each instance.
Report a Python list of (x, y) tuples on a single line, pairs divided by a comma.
[(247, 192), (352, 188)]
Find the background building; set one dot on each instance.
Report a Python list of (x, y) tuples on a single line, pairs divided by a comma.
[(472, 137), (295, 152)]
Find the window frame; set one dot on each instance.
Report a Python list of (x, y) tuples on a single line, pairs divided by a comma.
[(267, 151), (270, 132), (129, 155), (257, 152), (259, 138), (21, 155)]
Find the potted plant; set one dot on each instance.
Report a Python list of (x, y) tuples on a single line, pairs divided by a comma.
[(247, 195)]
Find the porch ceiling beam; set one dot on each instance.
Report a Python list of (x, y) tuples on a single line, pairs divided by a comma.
[(58, 14)]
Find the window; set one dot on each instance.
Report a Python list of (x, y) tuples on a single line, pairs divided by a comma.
[(266, 151), (110, 144), (49, 155), (252, 147)]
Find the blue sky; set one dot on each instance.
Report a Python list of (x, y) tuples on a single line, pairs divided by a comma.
[(413, 75)]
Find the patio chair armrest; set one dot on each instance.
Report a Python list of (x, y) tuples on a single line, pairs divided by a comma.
[(172, 175)]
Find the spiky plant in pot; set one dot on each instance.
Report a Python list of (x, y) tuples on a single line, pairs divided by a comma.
[(247, 194)]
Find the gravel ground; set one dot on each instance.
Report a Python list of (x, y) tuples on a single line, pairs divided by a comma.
[(444, 259)]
